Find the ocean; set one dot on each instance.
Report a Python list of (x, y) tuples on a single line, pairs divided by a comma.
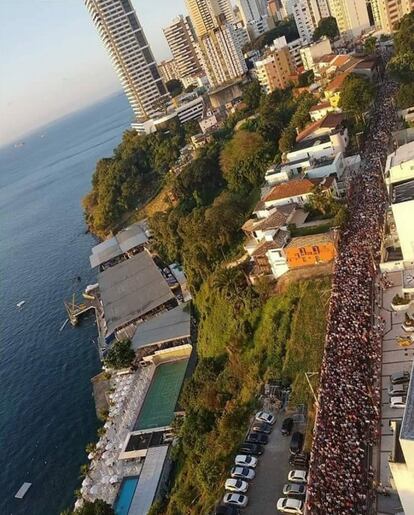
[(47, 413)]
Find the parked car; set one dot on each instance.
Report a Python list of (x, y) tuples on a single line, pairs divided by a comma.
[(296, 443), (299, 460), (289, 505), (251, 448), (257, 438), (262, 427), (292, 489), (236, 485), (398, 402), (238, 500), (397, 390), (287, 426), (245, 460), (400, 377), (298, 476), (264, 416), (242, 473), (227, 510)]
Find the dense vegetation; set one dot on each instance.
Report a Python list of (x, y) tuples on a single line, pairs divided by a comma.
[(120, 355), (245, 339), (401, 66), (357, 95), (285, 28), (326, 27), (131, 176)]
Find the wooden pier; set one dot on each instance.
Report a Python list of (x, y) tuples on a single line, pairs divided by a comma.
[(75, 310)]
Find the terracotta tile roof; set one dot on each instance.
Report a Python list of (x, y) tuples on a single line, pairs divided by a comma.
[(307, 131), (337, 83), (366, 63), (274, 221), (321, 105), (332, 120), (313, 239), (296, 188), (340, 60), (327, 58)]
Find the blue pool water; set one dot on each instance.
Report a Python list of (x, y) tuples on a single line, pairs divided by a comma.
[(126, 493)]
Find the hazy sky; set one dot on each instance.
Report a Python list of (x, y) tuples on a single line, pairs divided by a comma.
[(52, 61)]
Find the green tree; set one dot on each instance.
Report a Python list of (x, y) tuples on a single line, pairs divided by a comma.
[(404, 37), (401, 67), (120, 355), (175, 87), (287, 139), (326, 27), (357, 95), (252, 95), (370, 45), (405, 96), (306, 78), (97, 507), (243, 160)]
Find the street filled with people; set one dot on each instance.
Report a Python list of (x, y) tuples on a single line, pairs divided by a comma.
[(347, 424)]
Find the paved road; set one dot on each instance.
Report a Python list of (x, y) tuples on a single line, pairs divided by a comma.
[(271, 473)]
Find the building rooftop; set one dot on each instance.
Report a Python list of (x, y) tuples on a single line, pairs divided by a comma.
[(312, 239), (403, 192), (407, 427), (337, 83), (297, 187), (149, 479), (321, 105), (131, 289), (275, 219), (311, 142), (131, 237), (329, 122), (171, 325), (401, 155)]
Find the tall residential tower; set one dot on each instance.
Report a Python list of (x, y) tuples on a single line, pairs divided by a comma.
[(124, 38)]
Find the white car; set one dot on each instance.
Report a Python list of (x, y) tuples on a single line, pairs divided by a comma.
[(242, 473), (287, 505), (245, 460), (236, 485), (238, 500), (264, 416), (398, 402), (297, 476)]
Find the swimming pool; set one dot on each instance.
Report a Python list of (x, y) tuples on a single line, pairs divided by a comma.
[(162, 396), (125, 495)]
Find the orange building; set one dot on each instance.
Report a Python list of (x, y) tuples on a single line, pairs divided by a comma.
[(310, 250)]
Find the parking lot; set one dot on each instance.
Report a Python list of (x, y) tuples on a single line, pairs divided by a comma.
[(272, 471), (394, 359)]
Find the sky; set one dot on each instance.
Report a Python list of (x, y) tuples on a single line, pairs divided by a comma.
[(52, 61)]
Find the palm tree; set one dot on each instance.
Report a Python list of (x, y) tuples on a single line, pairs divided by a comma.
[(84, 471)]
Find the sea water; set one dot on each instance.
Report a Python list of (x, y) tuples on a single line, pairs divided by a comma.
[(47, 413)]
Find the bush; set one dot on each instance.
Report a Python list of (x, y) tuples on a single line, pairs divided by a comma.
[(120, 355), (400, 301)]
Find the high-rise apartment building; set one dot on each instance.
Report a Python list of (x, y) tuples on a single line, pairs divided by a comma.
[(168, 70), (274, 71), (255, 17), (351, 16), (308, 14), (387, 13), (181, 39), (214, 25), (204, 14), (277, 10), (223, 55), (124, 38)]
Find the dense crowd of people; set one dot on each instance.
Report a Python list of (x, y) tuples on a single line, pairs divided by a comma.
[(347, 424)]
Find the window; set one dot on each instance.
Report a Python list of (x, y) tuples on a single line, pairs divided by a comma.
[(316, 249), (154, 72), (302, 251), (161, 88)]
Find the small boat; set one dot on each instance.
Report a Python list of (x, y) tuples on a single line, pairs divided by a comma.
[(63, 325), (23, 490), (20, 304)]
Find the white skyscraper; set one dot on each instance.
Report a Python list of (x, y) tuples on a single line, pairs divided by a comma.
[(124, 38)]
